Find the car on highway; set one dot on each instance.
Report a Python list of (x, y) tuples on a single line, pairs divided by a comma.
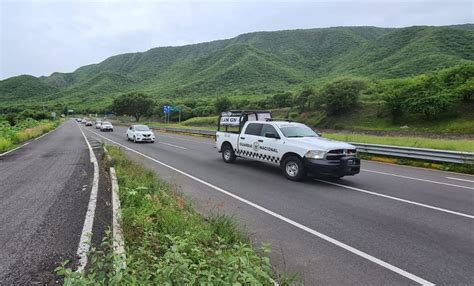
[(97, 124), (88, 123), (106, 126), (140, 133), (78, 120), (84, 120), (294, 147)]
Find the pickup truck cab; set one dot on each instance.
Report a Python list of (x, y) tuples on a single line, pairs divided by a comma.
[(294, 147)]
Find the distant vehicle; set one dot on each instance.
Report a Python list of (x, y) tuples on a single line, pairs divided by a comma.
[(106, 126), (84, 121), (78, 120), (97, 124), (88, 123), (294, 147), (140, 133)]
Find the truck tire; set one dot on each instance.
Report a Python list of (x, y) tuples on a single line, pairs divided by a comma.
[(228, 154), (293, 168)]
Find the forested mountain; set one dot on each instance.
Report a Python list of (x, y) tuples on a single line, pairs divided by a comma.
[(253, 64)]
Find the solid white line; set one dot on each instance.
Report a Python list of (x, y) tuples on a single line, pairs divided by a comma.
[(418, 179), (21, 146), (5, 153), (287, 220), (459, 179), (397, 199), (176, 146), (189, 140), (86, 234)]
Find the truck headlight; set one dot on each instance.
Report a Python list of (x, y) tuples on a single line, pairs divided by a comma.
[(315, 154)]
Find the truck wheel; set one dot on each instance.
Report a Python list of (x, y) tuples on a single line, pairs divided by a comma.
[(228, 154), (293, 168)]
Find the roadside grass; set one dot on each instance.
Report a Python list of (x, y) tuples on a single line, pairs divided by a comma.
[(375, 117), (168, 243), (11, 136), (210, 121), (419, 142)]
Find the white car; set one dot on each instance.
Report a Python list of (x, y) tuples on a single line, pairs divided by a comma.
[(106, 126), (140, 133), (98, 124), (294, 147)]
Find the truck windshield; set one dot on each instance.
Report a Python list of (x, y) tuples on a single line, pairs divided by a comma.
[(298, 131)]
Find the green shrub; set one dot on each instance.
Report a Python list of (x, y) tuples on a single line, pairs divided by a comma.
[(341, 95), (22, 131), (201, 121), (168, 243)]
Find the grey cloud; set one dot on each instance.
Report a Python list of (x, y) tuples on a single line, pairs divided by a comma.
[(39, 38)]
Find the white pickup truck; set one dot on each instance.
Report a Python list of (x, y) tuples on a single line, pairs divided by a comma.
[(294, 147)]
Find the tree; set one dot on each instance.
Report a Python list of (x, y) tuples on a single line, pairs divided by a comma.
[(303, 97), (430, 106), (282, 99), (341, 95), (466, 90), (134, 104), (222, 104), (460, 79)]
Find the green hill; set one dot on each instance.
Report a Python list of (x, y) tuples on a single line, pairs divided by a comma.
[(24, 87), (252, 64)]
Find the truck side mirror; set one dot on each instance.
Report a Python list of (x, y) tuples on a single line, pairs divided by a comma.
[(272, 135)]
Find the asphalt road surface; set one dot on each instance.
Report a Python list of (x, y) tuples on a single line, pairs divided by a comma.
[(44, 193), (389, 225)]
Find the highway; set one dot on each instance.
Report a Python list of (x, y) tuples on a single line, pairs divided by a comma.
[(388, 225), (45, 189)]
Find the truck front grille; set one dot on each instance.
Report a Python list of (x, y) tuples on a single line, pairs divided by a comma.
[(337, 154)]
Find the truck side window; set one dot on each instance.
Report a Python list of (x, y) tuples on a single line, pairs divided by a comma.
[(253, 129), (267, 128)]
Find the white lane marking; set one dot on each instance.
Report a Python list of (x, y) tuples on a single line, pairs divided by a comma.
[(287, 220), (176, 146), (21, 146), (86, 233), (418, 179), (5, 153), (396, 199), (459, 179), (194, 141)]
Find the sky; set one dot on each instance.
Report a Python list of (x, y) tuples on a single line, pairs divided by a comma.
[(41, 37)]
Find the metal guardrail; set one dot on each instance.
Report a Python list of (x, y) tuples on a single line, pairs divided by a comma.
[(416, 153), (436, 155), (185, 130)]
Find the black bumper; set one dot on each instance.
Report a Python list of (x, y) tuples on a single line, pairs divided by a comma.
[(346, 166)]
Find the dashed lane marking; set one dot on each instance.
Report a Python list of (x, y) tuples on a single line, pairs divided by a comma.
[(418, 179), (459, 179), (397, 199)]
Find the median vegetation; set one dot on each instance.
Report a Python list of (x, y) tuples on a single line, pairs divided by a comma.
[(169, 243), (22, 127)]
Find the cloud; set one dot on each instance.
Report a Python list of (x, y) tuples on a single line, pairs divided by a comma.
[(41, 37)]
